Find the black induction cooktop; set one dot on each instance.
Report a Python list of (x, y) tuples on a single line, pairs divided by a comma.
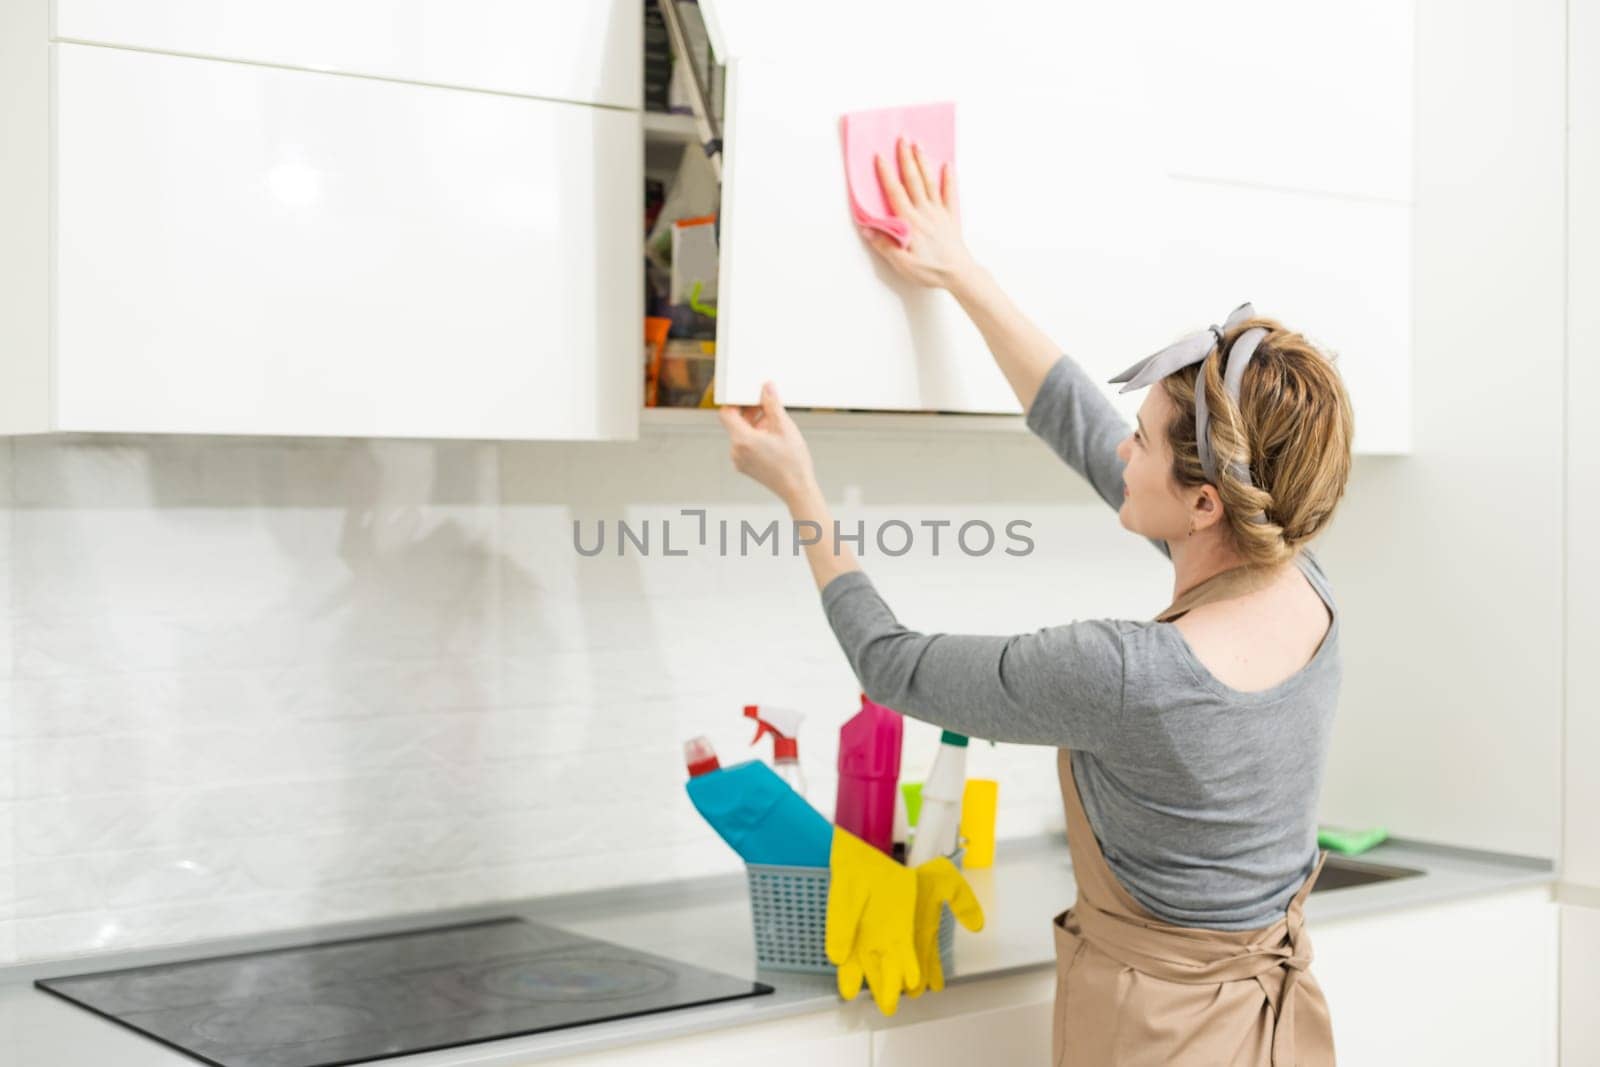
[(342, 1002)]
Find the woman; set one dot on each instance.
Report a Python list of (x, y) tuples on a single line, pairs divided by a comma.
[(1192, 746)]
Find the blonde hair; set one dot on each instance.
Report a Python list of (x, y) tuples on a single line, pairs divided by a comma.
[(1291, 429)]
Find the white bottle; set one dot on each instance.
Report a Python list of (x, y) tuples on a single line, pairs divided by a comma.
[(940, 819)]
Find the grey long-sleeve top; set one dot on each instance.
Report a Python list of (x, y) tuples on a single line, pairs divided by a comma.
[(1203, 797)]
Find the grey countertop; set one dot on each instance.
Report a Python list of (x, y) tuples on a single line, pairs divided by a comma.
[(707, 922)]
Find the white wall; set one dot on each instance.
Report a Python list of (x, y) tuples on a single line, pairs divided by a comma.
[(1448, 561), (1580, 849), (1581, 846), (266, 683)]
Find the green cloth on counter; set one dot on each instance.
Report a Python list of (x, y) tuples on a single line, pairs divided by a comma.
[(1351, 842)]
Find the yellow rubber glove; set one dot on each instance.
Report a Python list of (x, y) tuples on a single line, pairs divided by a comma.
[(938, 884), (871, 900)]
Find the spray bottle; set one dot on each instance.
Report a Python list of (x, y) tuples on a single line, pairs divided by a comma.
[(755, 811), (784, 726), (940, 818)]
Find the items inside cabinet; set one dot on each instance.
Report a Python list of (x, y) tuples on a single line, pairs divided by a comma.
[(682, 201), (683, 122)]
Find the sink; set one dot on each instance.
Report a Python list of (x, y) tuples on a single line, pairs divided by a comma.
[(1341, 873)]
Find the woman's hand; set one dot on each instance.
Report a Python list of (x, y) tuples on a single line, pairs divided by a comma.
[(768, 446), (927, 203)]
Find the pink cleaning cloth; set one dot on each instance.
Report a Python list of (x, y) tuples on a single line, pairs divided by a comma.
[(932, 127)]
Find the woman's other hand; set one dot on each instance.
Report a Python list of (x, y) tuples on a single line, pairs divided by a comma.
[(768, 446), (927, 203)]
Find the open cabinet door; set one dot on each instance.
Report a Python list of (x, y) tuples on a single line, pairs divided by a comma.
[(1128, 173), (1055, 166)]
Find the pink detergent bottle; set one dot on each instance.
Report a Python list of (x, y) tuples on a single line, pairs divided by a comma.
[(869, 773)]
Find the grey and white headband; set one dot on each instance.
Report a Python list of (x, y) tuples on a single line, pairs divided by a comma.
[(1192, 350)]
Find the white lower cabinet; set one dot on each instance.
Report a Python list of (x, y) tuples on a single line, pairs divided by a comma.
[(1000, 1021), (809, 1041), (1580, 983), (1454, 985)]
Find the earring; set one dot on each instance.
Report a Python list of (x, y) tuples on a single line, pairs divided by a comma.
[(1191, 528)]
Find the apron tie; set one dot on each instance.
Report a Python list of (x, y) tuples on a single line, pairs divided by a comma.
[(1275, 961), (1298, 962)]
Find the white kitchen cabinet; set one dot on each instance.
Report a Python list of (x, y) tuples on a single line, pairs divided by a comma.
[(1113, 224), (24, 216), (233, 217), (1305, 97), (242, 249), (1464, 984), (584, 52), (1580, 981), (873, 341), (807, 1041), (1336, 268), (999, 1021)]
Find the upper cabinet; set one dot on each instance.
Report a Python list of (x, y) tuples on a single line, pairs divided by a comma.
[(1289, 167), (1127, 172), (421, 218), (245, 249), (586, 52), (222, 247)]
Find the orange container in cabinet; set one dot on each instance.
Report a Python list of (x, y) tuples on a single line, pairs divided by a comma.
[(655, 344)]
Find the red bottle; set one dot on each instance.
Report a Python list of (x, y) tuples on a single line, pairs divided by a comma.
[(869, 774)]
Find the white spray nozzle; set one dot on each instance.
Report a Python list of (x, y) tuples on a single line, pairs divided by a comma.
[(783, 721)]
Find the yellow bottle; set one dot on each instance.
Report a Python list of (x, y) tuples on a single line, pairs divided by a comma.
[(979, 801)]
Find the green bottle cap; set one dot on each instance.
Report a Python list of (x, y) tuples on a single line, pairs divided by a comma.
[(951, 738)]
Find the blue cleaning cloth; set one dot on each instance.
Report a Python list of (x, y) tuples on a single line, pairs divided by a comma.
[(761, 817)]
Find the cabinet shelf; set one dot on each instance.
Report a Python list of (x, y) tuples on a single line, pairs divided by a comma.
[(670, 126), (656, 421)]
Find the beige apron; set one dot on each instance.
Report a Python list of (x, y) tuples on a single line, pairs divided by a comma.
[(1131, 989)]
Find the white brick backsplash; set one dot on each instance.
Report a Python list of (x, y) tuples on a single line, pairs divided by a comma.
[(264, 683)]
